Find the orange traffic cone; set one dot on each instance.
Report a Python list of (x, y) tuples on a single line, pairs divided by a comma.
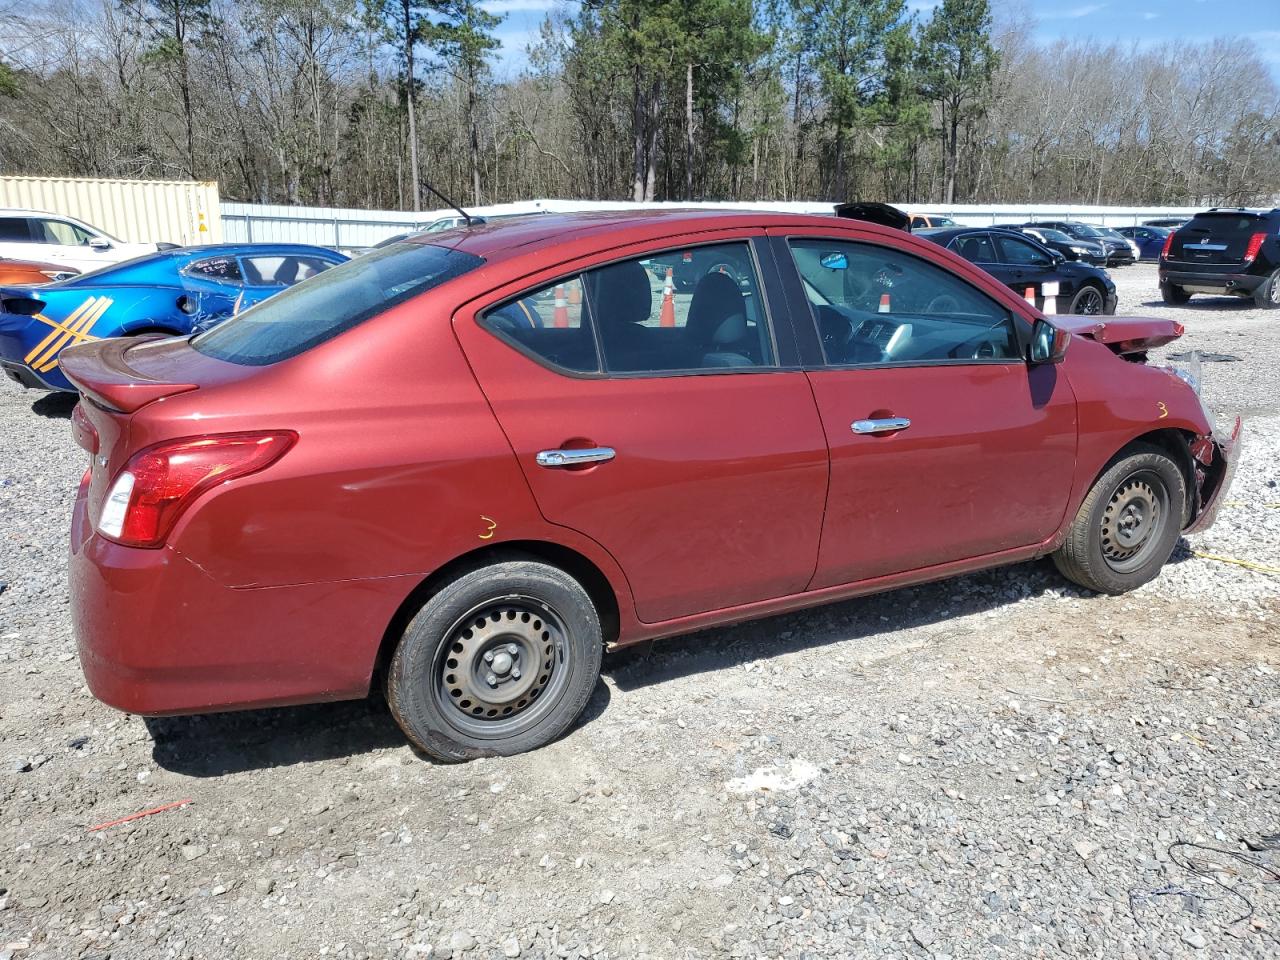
[(1030, 296), (561, 316), (884, 303), (575, 295), (667, 318)]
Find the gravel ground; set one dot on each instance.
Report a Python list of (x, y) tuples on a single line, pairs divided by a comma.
[(994, 766)]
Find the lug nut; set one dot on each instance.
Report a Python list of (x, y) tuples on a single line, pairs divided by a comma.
[(488, 657), (492, 680), (513, 649), (515, 674)]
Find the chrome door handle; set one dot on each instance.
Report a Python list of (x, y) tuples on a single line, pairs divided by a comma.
[(887, 425), (572, 458)]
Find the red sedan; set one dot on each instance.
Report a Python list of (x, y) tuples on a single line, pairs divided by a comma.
[(466, 463)]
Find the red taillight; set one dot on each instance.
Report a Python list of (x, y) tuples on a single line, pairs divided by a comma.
[(1255, 244), (85, 433), (1168, 242), (159, 483), (687, 256)]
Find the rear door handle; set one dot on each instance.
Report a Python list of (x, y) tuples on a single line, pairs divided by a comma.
[(886, 425), (553, 459)]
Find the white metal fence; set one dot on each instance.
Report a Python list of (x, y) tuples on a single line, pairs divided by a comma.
[(346, 228)]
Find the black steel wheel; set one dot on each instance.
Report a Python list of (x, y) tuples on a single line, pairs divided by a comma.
[(1128, 523), (499, 660)]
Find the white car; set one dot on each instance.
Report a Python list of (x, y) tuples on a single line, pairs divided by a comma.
[(53, 238)]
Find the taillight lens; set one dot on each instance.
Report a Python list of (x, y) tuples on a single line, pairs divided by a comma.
[(1255, 244), (1168, 242), (159, 483)]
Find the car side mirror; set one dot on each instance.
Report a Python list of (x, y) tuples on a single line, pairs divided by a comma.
[(1048, 343), (98, 243), (1059, 258)]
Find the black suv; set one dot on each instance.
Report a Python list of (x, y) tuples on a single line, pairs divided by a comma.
[(1231, 251), (1119, 253)]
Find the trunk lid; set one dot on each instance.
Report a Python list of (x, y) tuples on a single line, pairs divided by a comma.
[(1124, 335), (1220, 237)]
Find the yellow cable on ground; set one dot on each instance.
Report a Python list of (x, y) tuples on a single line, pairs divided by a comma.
[(1248, 564), (1241, 503)]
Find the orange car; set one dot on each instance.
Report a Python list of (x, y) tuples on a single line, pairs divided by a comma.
[(24, 271)]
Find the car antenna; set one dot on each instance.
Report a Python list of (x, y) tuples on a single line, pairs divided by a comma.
[(465, 216)]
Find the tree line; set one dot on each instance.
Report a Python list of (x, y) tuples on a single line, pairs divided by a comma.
[(375, 103)]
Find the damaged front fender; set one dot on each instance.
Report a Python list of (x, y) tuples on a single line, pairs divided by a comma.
[(1214, 460)]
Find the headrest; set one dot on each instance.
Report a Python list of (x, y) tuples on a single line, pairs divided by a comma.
[(620, 293), (717, 314)]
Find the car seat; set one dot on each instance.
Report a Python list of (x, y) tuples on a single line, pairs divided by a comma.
[(717, 331), (621, 300), (287, 273)]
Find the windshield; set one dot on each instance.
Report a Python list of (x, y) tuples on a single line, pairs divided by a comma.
[(1084, 230), (320, 308), (1057, 236)]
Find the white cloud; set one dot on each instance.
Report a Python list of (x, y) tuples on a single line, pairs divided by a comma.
[(1074, 13)]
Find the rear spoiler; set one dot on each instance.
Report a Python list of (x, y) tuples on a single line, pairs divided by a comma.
[(99, 371), (881, 213)]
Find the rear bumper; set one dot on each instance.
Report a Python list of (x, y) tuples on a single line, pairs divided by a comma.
[(1214, 478), (21, 337), (23, 375), (157, 635), (1198, 281)]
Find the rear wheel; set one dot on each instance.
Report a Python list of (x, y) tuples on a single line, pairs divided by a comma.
[(500, 660), (1267, 296), (1172, 293), (1127, 526), (1089, 301)]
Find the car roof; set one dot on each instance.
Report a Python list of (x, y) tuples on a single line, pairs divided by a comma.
[(507, 238)]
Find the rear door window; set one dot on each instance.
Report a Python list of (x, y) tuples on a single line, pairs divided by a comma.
[(675, 311), (223, 269), (308, 314), (975, 247), (15, 230)]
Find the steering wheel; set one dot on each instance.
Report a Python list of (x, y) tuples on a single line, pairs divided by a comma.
[(943, 303)]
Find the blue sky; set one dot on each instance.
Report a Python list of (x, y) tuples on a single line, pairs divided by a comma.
[(1144, 21)]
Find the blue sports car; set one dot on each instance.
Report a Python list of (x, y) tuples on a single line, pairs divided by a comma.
[(172, 292)]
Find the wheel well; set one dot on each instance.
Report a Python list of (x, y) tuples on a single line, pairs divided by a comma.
[(1176, 443), (570, 561)]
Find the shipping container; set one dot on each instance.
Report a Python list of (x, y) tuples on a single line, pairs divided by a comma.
[(135, 211)]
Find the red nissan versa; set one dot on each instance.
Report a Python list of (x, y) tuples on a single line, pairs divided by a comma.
[(468, 462)]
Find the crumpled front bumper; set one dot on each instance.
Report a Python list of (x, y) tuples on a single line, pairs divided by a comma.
[(1215, 467)]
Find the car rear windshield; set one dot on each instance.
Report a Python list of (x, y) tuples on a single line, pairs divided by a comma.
[(320, 308), (1227, 225)]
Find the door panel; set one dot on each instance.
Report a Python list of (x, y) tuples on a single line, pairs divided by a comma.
[(944, 444), (715, 491), (986, 464)]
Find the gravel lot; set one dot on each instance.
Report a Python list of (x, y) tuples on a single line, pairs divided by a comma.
[(993, 766)]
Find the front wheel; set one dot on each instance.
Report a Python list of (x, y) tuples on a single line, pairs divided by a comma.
[(500, 660), (1128, 524), (1267, 296), (1172, 293), (1088, 301)]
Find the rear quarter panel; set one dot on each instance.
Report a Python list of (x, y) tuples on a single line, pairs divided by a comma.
[(400, 466)]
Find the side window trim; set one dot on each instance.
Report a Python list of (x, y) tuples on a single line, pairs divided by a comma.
[(757, 248), (809, 338)]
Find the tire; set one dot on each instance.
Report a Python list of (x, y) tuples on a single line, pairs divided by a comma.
[(1172, 293), (1267, 296), (1089, 300), (1111, 548), (462, 638)]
